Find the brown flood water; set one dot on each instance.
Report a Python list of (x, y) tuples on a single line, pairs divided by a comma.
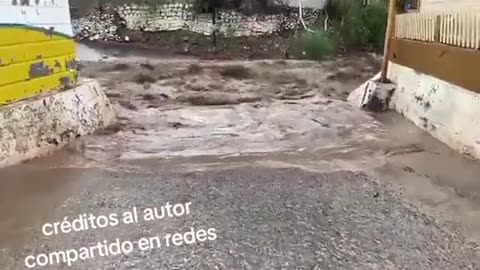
[(165, 125), (438, 180)]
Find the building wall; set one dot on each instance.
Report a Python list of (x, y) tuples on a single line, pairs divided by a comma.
[(36, 48), (443, 5), (445, 110), (438, 88)]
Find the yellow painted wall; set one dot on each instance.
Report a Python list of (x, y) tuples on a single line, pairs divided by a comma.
[(36, 51), (34, 60), (448, 5)]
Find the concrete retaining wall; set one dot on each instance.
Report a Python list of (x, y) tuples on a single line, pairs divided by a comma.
[(37, 127), (448, 112)]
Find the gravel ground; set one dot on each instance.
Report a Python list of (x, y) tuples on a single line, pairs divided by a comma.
[(264, 219)]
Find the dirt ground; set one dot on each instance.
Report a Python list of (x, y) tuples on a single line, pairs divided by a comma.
[(184, 43), (276, 46)]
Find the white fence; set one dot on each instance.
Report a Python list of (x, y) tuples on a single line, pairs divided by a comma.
[(417, 26), (457, 28)]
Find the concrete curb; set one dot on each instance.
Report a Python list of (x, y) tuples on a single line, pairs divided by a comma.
[(40, 126)]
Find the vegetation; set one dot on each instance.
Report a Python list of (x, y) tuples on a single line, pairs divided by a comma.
[(351, 26), (314, 45), (375, 23), (358, 26)]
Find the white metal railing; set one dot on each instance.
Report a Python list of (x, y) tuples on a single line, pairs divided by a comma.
[(457, 28)]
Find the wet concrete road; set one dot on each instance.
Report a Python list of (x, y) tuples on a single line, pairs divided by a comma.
[(264, 218)]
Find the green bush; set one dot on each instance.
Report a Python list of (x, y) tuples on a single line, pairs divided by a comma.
[(375, 23), (315, 45), (346, 19), (358, 26)]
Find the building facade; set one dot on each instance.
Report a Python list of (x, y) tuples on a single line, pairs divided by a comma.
[(434, 62)]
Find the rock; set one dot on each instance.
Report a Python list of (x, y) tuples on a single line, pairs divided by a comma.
[(379, 100), (358, 96), (372, 95)]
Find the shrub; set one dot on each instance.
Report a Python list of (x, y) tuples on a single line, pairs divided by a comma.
[(346, 19), (358, 26), (375, 22), (316, 45)]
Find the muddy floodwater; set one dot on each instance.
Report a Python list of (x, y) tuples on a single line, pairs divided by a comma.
[(199, 117), (231, 108)]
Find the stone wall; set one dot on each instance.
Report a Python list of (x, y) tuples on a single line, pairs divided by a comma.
[(97, 25), (174, 17)]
